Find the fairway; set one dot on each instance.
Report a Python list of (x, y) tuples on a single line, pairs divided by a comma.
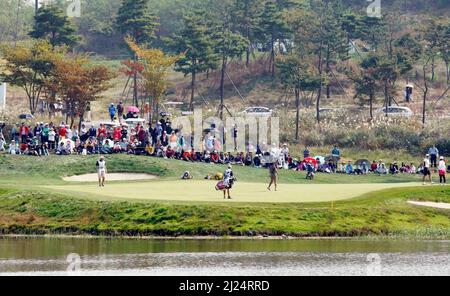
[(203, 191)]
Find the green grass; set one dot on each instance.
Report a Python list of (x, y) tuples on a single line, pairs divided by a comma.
[(19, 170), (26, 207)]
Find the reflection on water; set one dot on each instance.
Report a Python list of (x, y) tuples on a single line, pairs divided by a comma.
[(48, 256)]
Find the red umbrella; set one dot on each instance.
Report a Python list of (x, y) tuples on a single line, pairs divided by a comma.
[(133, 109), (311, 160)]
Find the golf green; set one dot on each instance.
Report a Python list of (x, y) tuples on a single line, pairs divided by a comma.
[(203, 191)]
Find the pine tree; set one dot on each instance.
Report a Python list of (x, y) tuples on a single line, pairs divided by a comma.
[(197, 45), (52, 24), (247, 14), (228, 44), (136, 20), (329, 42), (272, 27)]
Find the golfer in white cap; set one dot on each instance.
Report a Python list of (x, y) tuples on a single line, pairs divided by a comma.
[(228, 180), (102, 171)]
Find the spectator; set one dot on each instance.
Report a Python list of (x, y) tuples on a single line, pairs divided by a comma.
[(24, 130), (373, 166), (120, 110), (393, 168), (306, 153), (336, 153), (442, 168), (112, 111), (434, 154), (14, 148), (427, 169), (349, 168), (88, 112)]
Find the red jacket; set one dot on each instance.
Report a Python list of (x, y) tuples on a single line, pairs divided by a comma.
[(24, 130), (62, 132)]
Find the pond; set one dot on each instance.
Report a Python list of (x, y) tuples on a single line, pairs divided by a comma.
[(247, 257)]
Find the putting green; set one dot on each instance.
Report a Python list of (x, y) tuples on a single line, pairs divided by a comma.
[(203, 190)]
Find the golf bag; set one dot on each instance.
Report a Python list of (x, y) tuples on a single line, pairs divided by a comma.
[(220, 186)]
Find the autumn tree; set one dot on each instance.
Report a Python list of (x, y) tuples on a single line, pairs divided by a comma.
[(77, 82), (156, 67), (28, 68), (135, 19)]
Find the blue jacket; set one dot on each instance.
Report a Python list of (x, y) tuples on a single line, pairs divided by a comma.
[(112, 110)]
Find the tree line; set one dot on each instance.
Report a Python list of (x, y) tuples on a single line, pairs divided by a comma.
[(308, 42)]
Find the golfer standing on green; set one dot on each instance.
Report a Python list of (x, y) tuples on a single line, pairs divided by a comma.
[(273, 176), (101, 168)]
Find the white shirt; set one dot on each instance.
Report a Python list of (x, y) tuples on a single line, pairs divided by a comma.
[(101, 165), (426, 163), (51, 136), (442, 166)]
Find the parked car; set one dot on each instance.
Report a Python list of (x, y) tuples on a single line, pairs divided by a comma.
[(165, 114), (326, 111), (26, 116), (133, 122), (257, 111), (396, 111)]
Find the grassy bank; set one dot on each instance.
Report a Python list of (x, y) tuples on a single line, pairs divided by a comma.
[(27, 208), (379, 213)]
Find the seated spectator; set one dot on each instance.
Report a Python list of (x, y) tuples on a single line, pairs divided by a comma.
[(393, 168), (239, 160), (215, 157), (349, 168), (207, 157), (381, 170), (186, 156), (373, 167), (221, 158), (14, 148), (117, 148), (44, 149), (257, 161), (248, 159), (107, 147)]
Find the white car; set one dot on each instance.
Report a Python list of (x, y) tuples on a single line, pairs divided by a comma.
[(396, 111), (258, 112), (133, 122)]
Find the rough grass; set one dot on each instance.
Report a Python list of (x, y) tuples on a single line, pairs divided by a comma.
[(25, 208), (22, 170), (381, 213)]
